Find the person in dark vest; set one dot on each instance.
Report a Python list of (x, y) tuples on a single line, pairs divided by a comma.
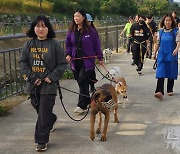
[(140, 35)]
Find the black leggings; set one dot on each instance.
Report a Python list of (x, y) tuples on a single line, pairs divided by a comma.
[(160, 85), (83, 78), (138, 55)]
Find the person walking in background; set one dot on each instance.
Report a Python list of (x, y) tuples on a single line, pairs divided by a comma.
[(82, 41), (177, 20), (127, 30), (42, 63), (136, 19), (167, 57), (93, 79), (140, 35), (151, 24)]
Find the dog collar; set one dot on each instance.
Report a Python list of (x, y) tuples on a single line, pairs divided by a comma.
[(93, 103)]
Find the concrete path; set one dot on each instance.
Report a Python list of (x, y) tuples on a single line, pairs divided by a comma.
[(147, 125)]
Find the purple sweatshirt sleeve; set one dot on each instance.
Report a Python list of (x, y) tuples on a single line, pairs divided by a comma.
[(68, 44)]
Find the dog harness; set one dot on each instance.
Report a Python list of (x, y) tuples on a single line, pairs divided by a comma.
[(108, 105)]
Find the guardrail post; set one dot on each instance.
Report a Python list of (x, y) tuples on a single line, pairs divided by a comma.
[(117, 38), (106, 37), (14, 28)]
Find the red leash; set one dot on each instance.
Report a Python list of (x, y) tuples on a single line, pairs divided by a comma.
[(109, 73), (85, 57)]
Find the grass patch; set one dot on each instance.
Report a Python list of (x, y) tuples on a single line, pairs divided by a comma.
[(10, 102)]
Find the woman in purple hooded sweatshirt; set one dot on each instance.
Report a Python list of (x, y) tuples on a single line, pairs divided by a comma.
[(82, 48)]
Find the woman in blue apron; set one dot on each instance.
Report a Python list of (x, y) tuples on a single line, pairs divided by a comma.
[(167, 58)]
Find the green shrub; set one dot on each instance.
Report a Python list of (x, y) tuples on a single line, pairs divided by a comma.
[(68, 74), (34, 6), (25, 6), (2, 111), (11, 5)]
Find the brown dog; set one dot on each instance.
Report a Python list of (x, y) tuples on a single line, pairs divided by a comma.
[(103, 99)]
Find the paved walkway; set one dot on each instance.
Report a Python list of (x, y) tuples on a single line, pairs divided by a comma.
[(147, 125)]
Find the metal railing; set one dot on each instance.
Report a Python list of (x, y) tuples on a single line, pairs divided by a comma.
[(21, 27), (11, 81)]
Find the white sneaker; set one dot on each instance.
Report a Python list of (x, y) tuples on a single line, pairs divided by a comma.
[(78, 110)]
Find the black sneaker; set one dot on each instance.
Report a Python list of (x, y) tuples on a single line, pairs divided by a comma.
[(92, 88), (132, 63), (150, 56), (41, 147)]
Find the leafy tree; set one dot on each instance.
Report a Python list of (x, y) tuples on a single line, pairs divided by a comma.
[(115, 7), (155, 7)]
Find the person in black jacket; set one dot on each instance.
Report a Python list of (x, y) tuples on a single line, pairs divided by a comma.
[(177, 20), (42, 63), (140, 35), (151, 24)]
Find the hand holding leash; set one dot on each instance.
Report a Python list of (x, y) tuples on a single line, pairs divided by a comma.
[(47, 80), (68, 58), (175, 52), (38, 82), (100, 62)]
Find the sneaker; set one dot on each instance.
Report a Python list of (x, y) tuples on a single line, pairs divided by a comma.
[(150, 56), (79, 110), (41, 147), (53, 126), (139, 73), (170, 93), (158, 95), (132, 63)]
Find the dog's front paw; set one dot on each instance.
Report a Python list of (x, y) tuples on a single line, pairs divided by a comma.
[(92, 136), (116, 120), (103, 138)]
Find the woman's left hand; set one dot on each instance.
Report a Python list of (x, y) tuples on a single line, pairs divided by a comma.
[(175, 52)]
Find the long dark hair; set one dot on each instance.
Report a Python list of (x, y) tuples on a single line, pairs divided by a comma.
[(85, 25), (31, 32), (162, 25)]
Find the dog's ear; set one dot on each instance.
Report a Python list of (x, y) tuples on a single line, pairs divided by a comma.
[(120, 83)]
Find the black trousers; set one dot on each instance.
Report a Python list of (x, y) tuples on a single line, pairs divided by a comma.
[(160, 85), (93, 79), (150, 47), (83, 78), (44, 107), (138, 54), (129, 42)]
